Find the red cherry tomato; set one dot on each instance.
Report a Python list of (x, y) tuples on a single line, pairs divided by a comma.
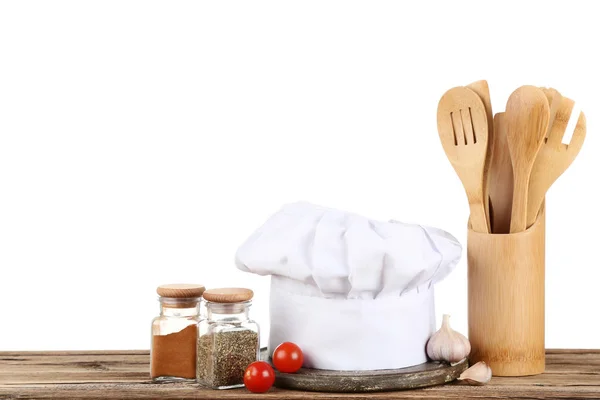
[(259, 377), (288, 357)]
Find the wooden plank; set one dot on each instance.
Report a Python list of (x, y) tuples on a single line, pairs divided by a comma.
[(62, 367), (573, 374)]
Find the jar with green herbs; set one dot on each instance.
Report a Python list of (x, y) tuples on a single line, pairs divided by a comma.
[(228, 340)]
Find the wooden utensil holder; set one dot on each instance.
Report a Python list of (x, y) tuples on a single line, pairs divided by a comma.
[(506, 299)]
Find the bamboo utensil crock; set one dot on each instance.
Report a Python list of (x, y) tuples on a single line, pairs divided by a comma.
[(506, 300), (524, 155)]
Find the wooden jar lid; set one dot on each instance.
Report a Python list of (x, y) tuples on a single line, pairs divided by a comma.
[(180, 290), (228, 295)]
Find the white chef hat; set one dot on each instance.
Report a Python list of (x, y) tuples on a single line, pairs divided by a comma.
[(327, 263)]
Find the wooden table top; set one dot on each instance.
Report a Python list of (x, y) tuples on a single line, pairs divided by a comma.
[(572, 374)]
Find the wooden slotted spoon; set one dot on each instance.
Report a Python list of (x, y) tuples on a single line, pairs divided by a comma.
[(554, 157), (527, 115), (463, 130)]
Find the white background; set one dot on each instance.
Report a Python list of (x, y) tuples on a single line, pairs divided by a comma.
[(141, 142)]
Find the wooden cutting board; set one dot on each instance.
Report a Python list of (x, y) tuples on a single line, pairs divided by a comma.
[(319, 380)]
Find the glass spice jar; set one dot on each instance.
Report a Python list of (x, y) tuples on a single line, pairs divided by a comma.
[(175, 333), (228, 340)]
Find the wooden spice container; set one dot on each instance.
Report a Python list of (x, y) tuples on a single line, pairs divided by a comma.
[(506, 300), (175, 332)]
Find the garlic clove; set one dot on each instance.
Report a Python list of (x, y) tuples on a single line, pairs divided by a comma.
[(447, 344), (478, 374)]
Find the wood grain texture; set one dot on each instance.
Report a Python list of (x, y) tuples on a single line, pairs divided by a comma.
[(228, 295), (573, 374), (570, 374), (463, 130), (483, 91), (501, 178), (554, 157), (180, 290), (527, 115), (506, 300)]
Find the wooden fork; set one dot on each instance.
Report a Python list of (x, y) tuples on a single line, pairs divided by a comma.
[(554, 157)]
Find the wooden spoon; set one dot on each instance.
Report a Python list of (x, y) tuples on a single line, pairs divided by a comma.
[(554, 156), (483, 91), (527, 114), (554, 102), (501, 173), (463, 130)]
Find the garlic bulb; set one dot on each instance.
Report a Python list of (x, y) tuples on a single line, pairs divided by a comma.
[(448, 345), (478, 374)]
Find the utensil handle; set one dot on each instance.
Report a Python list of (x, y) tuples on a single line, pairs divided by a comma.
[(479, 220), (501, 179), (534, 205), (518, 221)]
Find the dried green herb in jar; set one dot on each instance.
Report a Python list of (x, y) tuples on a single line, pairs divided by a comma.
[(223, 357), (228, 340)]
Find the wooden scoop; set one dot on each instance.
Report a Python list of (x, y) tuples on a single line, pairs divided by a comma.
[(463, 130), (527, 114), (554, 157)]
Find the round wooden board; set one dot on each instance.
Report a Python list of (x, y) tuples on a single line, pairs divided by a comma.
[(319, 380)]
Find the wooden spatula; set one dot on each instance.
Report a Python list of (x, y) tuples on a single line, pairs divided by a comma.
[(527, 114), (501, 178), (483, 91), (554, 157), (463, 130)]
